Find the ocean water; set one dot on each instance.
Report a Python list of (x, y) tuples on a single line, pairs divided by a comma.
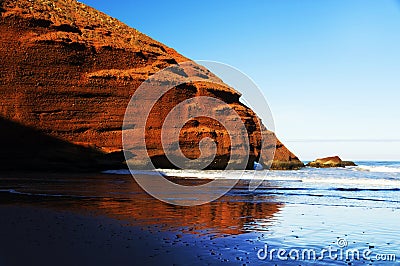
[(313, 209), (370, 184), (304, 209)]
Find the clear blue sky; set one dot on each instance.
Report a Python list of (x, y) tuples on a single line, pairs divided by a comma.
[(330, 69)]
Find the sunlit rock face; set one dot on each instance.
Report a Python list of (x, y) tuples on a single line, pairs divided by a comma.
[(68, 72)]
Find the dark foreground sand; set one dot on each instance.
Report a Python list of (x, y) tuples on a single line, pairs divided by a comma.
[(37, 236)]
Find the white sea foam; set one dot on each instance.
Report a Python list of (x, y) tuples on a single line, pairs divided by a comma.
[(206, 174), (370, 182), (335, 178), (376, 169)]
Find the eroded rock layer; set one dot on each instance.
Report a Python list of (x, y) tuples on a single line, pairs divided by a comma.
[(68, 71)]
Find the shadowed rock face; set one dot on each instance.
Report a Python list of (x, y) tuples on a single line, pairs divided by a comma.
[(69, 71), (25, 148)]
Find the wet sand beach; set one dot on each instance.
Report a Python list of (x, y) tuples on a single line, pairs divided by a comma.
[(37, 236), (101, 219)]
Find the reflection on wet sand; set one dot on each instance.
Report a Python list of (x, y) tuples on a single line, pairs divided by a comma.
[(121, 198)]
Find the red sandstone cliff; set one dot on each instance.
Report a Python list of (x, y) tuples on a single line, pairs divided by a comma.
[(67, 73)]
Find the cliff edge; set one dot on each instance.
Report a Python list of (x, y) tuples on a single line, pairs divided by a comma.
[(67, 73)]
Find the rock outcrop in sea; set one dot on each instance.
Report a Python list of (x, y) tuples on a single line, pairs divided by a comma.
[(329, 162), (67, 74)]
